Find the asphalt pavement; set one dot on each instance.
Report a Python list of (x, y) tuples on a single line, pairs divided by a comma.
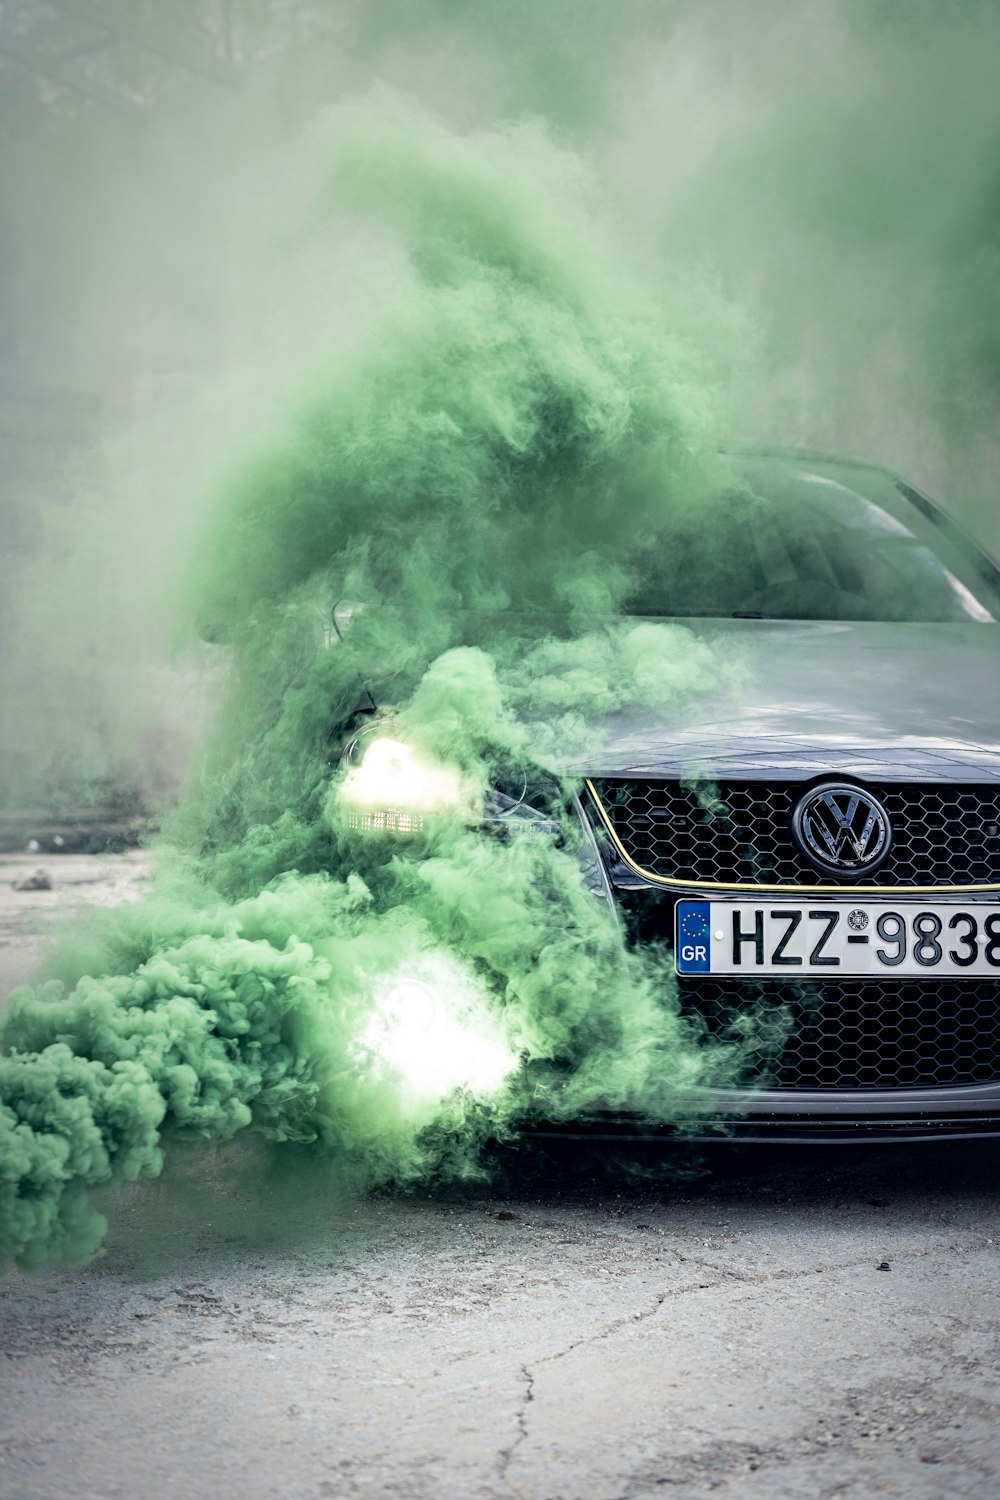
[(762, 1323)]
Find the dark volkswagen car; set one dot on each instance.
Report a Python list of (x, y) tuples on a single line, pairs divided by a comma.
[(830, 844), (821, 849)]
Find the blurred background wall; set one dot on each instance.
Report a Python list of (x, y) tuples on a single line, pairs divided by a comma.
[(813, 187)]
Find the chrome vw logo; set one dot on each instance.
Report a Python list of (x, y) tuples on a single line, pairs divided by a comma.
[(841, 829)]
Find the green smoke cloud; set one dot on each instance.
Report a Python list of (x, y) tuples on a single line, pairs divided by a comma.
[(811, 183), (470, 472)]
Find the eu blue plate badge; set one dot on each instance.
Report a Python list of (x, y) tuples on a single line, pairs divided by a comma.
[(694, 949)]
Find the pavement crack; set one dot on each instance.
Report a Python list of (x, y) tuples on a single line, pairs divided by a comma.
[(521, 1429), (507, 1455), (736, 1275), (627, 1320), (529, 1396)]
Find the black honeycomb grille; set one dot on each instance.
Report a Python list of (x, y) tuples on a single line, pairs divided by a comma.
[(864, 1033), (739, 832)]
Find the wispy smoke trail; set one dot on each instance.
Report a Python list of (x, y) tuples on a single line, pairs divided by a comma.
[(471, 477)]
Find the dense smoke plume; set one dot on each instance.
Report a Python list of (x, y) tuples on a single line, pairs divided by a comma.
[(440, 372), (458, 476), (810, 189)]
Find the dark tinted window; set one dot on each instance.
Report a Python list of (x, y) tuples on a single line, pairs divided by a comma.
[(806, 546)]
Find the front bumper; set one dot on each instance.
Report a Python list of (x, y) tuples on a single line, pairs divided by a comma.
[(788, 1115)]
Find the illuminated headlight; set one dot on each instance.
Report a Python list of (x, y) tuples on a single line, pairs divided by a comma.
[(391, 788)]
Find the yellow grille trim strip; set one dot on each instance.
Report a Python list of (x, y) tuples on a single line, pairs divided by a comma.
[(777, 890)]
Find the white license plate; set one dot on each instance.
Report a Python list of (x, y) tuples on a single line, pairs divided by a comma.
[(791, 939)]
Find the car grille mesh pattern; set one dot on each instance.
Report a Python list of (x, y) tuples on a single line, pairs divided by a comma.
[(738, 832), (864, 1033)]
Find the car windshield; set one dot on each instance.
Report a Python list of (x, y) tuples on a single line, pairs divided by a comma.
[(804, 545)]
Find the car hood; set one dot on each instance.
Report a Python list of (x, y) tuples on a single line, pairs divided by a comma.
[(798, 700)]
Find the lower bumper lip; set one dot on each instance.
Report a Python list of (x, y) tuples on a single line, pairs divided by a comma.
[(804, 1116), (802, 1130), (952, 1100)]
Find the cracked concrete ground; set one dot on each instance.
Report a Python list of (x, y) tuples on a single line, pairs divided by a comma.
[(255, 1329)]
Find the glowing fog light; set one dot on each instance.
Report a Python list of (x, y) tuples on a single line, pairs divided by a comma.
[(410, 1004), (436, 1038), (392, 788)]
